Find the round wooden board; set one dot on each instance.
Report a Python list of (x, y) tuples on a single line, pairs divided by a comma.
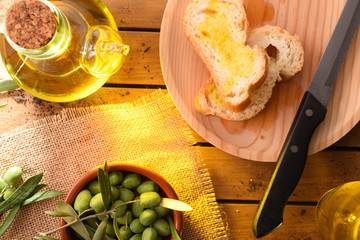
[(261, 137)]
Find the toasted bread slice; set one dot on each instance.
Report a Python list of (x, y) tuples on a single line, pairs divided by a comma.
[(217, 29), (209, 101), (290, 53)]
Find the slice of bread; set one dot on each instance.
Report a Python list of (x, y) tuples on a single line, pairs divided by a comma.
[(209, 101), (217, 29), (290, 53)]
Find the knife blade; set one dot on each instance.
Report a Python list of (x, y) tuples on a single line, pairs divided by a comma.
[(311, 112)]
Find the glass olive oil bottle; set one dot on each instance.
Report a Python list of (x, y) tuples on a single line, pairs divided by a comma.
[(83, 53)]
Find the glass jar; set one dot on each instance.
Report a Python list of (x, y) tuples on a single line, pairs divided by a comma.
[(338, 213)]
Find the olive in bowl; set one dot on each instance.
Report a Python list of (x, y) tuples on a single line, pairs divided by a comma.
[(129, 182)]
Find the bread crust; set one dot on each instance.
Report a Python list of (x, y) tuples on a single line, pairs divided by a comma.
[(290, 53)]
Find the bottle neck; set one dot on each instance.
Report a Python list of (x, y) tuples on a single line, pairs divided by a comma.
[(56, 45)]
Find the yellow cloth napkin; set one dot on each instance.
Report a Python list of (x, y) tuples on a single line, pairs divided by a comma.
[(149, 132)]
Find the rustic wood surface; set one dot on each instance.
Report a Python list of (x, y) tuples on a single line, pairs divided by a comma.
[(239, 183)]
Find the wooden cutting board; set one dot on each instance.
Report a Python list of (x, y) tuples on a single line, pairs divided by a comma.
[(261, 137)]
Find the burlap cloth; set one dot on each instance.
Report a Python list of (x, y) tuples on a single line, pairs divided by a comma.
[(149, 132)]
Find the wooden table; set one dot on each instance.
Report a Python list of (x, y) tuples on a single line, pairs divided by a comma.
[(238, 183)]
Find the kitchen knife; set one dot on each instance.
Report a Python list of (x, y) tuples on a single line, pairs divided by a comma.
[(311, 112)]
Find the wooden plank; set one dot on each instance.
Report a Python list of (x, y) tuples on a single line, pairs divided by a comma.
[(142, 65), (299, 222), (23, 108), (239, 179), (137, 13)]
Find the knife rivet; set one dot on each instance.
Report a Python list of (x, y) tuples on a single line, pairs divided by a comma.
[(294, 148), (309, 112)]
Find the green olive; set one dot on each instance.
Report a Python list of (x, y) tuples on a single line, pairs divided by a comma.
[(97, 203), (148, 217), (126, 218), (149, 234), (82, 200), (115, 193), (94, 187), (161, 211), (131, 180), (150, 199), (126, 194), (147, 186), (136, 226), (137, 236), (125, 233), (13, 176), (137, 208), (115, 178), (120, 210), (162, 227), (110, 229), (8, 192)]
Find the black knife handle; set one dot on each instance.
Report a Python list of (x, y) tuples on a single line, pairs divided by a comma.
[(290, 163)]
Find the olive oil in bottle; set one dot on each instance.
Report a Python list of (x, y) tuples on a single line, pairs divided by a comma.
[(84, 52)]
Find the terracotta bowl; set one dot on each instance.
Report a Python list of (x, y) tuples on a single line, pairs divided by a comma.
[(165, 190)]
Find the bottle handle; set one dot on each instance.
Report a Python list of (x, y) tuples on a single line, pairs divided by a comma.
[(113, 48), (103, 52)]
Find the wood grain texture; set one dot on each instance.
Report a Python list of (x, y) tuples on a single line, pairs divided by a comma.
[(261, 138), (137, 14), (142, 64), (240, 179), (23, 108), (299, 223)]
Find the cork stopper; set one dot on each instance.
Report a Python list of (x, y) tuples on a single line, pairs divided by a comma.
[(30, 24)]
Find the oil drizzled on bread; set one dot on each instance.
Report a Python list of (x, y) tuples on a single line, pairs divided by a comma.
[(287, 61), (217, 29)]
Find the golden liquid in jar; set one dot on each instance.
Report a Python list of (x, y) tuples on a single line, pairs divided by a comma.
[(338, 213), (63, 78)]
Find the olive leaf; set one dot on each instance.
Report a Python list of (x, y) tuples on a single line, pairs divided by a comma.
[(4, 105), (101, 230), (46, 238), (174, 233), (59, 214), (92, 232), (116, 228), (77, 227), (9, 219), (21, 193), (90, 229), (37, 188), (7, 85), (105, 189), (42, 196)]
